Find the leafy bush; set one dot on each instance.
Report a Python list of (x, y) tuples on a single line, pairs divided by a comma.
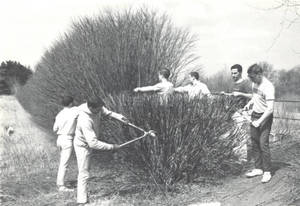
[(193, 137), (106, 54)]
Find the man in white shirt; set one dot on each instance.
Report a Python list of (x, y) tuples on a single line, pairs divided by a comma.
[(164, 87), (262, 117), (86, 139), (64, 126), (195, 89)]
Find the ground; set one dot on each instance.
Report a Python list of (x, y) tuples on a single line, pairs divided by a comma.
[(28, 171)]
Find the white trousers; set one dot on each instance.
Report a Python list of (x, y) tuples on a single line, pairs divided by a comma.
[(64, 142), (83, 162)]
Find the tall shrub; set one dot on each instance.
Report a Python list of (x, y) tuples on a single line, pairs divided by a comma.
[(105, 54), (193, 137)]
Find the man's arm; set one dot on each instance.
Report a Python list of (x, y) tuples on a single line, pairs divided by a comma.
[(266, 114), (55, 126), (91, 138), (248, 95), (152, 88), (114, 115), (248, 105), (181, 89), (205, 90)]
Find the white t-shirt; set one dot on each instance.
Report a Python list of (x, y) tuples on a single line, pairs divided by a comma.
[(164, 88), (261, 94), (65, 121), (194, 90)]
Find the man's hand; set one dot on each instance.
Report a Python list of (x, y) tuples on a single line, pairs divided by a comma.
[(247, 107), (236, 94), (124, 120), (115, 146), (136, 89), (256, 123)]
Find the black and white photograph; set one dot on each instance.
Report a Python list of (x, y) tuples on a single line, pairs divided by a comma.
[(150, 103)]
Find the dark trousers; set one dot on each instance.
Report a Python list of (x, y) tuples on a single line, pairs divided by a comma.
[(260, 142)]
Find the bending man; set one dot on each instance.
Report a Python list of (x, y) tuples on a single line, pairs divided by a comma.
[(86, 139)]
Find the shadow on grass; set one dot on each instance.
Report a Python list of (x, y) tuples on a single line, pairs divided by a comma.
[(276, 165)]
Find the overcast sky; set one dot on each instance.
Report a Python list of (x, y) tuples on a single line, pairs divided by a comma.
[(229, 32)]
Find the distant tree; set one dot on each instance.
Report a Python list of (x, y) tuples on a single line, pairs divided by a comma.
[(289, 81), (221, 81), (14, 72), (270, 72)]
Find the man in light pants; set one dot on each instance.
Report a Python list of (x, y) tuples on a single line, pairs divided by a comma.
[(64, 126), (86, 139), (262, 117)]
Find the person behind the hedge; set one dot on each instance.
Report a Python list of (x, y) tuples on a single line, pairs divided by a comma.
[(64, 126), (86, 139), (195, 89), (261, 122), (164, 87), (242, 89), (242, 93)]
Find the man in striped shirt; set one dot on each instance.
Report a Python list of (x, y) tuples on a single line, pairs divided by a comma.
[(262, 117), (64, 126)]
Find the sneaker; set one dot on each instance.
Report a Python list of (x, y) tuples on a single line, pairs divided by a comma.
[(254, 172), (65, 189), (266, 177)]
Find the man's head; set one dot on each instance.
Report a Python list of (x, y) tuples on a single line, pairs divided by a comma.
[(95, 104), (255, 73), (164, 74), (236, 72), (67, 101), (194, 76)]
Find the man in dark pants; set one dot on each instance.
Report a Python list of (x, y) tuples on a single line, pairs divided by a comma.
[(242, 92), (261, 122)]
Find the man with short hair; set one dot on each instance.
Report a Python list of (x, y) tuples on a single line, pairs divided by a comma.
[(86, 139), (242, 92), (195, 89), (64, 126), (164, 87), (261, 122), (241, 87)]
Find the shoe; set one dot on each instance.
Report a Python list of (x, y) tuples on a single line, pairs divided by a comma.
[(266, 177), (65, 189), (254, 173)]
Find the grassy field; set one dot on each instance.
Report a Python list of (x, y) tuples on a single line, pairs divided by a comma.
[(29, 161)]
